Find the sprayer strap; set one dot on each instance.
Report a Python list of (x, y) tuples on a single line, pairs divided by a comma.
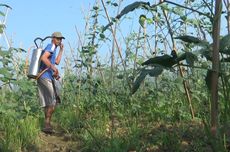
[(41, 73)]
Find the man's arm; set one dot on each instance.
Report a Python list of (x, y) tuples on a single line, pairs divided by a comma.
[(58, 59), (45, 59)]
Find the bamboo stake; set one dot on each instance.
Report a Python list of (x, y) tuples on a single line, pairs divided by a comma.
[(156, 36), (136, 52), (114, 45), (113, 48), (155, 50), (114, 36), (180, 68), (145, 37)]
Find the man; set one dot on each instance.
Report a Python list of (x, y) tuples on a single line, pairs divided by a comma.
[(46, 88)]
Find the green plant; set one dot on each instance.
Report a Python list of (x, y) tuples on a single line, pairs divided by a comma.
[(19, 134)]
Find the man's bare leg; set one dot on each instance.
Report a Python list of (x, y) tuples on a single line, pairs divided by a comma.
[(48, 115)]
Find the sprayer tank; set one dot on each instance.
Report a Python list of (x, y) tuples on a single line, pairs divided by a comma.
[(35, 63)]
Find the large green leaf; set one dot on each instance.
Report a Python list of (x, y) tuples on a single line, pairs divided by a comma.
[(189, 39), (189, 57), (155, 72), (142, 20), (143, 73), (165, 60), (139, 79), (5, 5), (127, 9)]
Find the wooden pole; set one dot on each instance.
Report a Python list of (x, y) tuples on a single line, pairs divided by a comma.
[(186, 88), (215, 67)]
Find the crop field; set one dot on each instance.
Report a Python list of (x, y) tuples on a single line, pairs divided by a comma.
[(162, 87)]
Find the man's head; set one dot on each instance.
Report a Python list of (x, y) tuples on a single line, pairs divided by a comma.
[(57, 38)]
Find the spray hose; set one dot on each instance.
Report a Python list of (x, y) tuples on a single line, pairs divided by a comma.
[(38, 38), (41, 73)]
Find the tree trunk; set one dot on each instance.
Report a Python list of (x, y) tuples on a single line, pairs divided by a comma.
[(215, 67)]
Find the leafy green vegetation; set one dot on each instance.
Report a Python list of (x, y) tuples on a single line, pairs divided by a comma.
[(154, 96)]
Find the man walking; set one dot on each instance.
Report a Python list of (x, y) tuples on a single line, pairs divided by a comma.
[(46, 89)]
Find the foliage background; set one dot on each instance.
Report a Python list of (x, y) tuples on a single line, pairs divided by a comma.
[(138, 99)]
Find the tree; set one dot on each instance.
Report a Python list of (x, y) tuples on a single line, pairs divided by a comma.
[(215, 66)]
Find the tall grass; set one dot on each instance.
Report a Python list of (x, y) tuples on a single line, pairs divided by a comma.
[(19, 134)]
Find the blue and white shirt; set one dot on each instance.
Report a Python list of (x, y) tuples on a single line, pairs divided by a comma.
[(51, 48)]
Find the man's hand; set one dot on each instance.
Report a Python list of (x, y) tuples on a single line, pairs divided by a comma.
[(56, 74), (61, 46), (58, 59), (55, 70)]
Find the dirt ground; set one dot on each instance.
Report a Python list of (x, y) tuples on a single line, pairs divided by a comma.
[(57, 142)]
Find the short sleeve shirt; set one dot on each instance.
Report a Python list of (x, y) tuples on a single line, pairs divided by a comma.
[(51, 48)]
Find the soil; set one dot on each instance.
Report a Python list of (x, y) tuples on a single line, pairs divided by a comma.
[(59, 141)]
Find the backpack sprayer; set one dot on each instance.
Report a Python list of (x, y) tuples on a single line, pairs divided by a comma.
[(36, 59)]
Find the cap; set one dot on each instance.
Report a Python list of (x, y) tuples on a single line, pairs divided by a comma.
[(58, 35)]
